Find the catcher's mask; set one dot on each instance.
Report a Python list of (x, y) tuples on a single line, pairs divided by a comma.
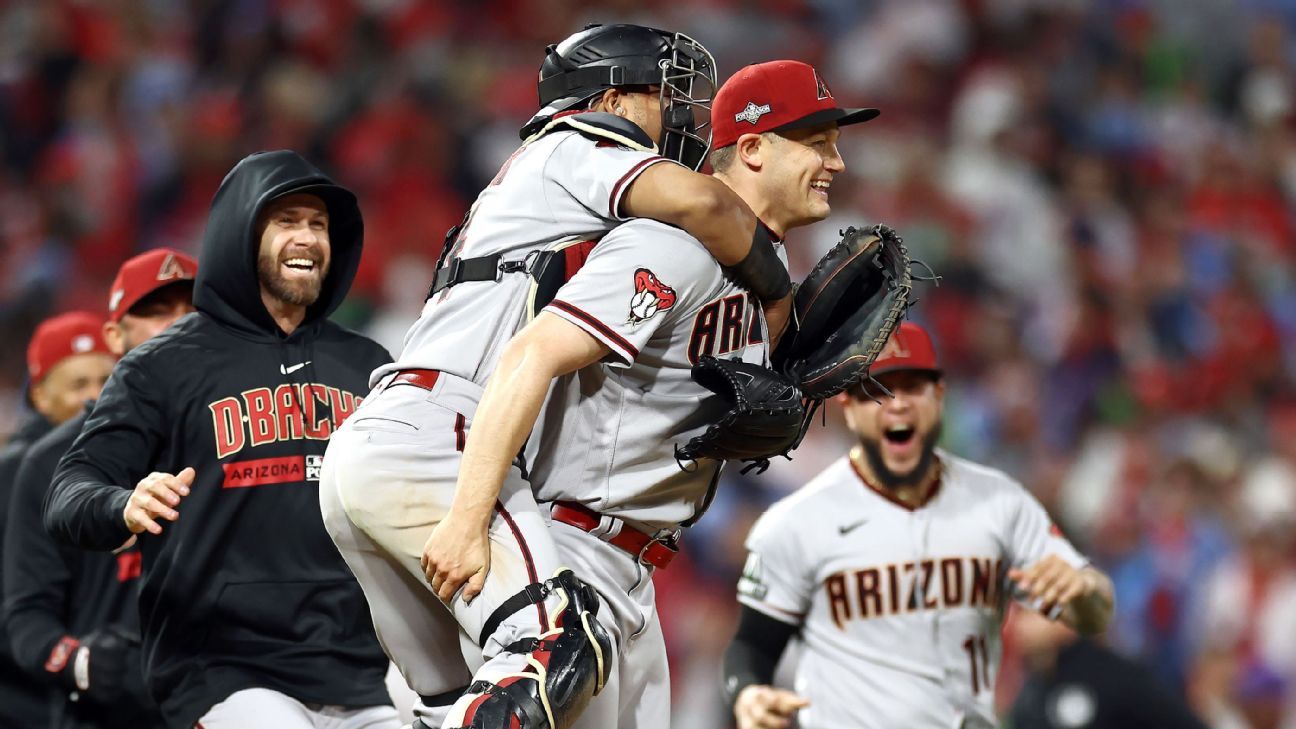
[(602, 57)]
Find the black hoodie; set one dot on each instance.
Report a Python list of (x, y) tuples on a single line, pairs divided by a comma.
[(54, 592), (22, 698), (245, 589)]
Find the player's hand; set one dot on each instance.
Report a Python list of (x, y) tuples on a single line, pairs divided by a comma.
[(766, 707), (1050, 584), (457, 554), (155, 497), (777, 315)]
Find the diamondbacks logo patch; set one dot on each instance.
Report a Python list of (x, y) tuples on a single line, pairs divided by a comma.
[(170, 269), (895, 349), (821, 88), (752, 113), (650, 298)]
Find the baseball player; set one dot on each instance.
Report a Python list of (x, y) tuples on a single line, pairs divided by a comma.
[(75, 624), (609, 95), (895, 566), (648, 303), (67, 364), (206, 443)]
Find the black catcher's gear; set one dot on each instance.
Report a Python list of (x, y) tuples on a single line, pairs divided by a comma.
[(602, 57), (567, 665)]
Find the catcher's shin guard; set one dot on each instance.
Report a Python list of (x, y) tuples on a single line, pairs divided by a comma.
[(566, 666)]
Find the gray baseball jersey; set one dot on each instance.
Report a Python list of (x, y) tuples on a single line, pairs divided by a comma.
[(560, 185), (607, 437), (900, 608)]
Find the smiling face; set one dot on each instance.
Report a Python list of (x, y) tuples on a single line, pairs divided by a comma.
[(294, 255), (898, 434), (798, 171)]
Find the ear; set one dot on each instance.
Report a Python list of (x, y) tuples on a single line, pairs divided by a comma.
[(750, 148), (608, 101), (114, 337), (40, 399)]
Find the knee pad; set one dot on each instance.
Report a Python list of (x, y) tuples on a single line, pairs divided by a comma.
[(567, 665)]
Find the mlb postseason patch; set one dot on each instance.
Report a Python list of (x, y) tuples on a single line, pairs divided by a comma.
[(752, 583)]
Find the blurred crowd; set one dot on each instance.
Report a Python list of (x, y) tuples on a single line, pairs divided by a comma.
[(1106, 188)]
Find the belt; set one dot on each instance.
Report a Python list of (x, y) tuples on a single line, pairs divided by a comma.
[(651, 550), (418, 378)]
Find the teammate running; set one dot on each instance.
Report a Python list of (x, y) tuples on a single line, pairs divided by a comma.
[(74, 614), (647, 305), (610, 95), (206, 443), (895, 566)]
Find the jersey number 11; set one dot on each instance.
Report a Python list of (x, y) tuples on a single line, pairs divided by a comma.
[(979, 661)]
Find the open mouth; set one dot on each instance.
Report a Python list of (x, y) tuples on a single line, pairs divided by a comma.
[(899, 434), (820, 187), (300, 264)]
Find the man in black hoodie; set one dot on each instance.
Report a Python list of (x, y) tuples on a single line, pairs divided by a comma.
[(67, 363), (73, 615), (249, 617)]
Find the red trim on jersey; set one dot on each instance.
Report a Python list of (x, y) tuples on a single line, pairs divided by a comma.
[(615, 198), (886, 493), (460, 437), (526, 557), (61, 653), (598, 326)]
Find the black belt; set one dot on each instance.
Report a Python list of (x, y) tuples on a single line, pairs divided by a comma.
[(484, 268)]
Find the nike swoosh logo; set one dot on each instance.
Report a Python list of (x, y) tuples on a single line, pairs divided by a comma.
[(848, 528), (294, 368)]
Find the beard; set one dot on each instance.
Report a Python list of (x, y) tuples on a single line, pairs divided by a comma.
[(297, 292), (893, 479)]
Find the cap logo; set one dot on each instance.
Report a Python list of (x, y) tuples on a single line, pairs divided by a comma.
[(752, 113), (170, 269), (821, 88), (115, 300), (895, 349), (82, 343)]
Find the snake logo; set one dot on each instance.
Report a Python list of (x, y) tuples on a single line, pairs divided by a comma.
[(651, 296)]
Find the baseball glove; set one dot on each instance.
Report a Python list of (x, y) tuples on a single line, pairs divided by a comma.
[(845, 310), (764, 418)]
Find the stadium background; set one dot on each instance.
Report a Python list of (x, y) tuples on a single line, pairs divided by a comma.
[(1106, 187)]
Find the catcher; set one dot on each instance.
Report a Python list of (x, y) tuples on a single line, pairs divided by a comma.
[(647, 326)]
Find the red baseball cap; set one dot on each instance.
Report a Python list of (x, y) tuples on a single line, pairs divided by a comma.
[(142, 275), (774, 97), (909, 348), (56, 339)]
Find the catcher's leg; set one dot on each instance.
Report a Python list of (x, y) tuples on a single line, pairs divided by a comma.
[(566, 666), (416, 630)]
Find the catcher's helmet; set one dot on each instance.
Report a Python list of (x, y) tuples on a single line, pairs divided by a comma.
[(602, 57)]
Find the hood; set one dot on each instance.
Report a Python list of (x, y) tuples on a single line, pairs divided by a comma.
[(226, 287)]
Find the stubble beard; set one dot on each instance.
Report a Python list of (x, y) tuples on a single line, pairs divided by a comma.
[(893, 480)]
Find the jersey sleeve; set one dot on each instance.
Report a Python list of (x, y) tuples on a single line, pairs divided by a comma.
[(597, 174), (1032, 535), (94, 480), (776, 578), (639, 277)]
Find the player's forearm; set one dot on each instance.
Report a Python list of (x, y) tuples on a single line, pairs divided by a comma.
[(504, 417), (717, 216), (84, 512), (1089, 613)]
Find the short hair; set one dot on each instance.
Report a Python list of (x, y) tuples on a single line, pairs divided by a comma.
[(723, 158)]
